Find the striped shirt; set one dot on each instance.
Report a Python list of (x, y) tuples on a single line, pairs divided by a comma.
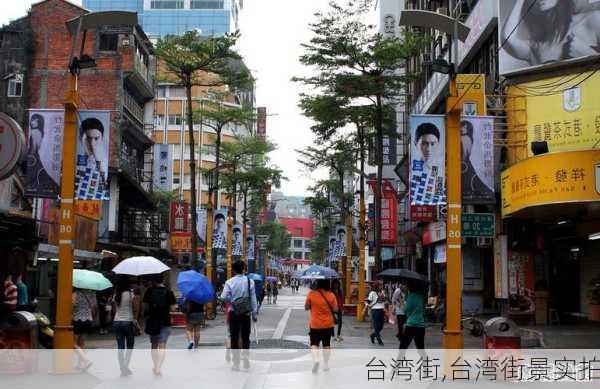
[(10, 295)]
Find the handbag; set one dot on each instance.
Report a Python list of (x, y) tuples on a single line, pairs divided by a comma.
[(137, 329), (243, 305), (335, 319)]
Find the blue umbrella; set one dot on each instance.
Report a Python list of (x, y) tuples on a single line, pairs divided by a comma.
[(195, 286), (316, 272)]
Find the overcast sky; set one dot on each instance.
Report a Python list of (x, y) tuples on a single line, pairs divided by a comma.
[(272, 31)]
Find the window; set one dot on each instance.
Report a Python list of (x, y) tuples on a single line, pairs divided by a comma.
[(176, 180), (159, 120), (209, 149), (109, 42), (15, 86), (297, 254), (175, 120), (166, 4), (298, 243), (187, 181), (177, 151), (206, 4), (161, 91), (177, 91)]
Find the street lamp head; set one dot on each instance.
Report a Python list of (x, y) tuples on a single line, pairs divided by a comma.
[(440, 65)]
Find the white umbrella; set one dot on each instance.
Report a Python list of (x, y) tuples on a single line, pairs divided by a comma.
[(139, 266)]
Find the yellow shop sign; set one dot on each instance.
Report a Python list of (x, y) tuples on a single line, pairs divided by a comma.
[(550, 179)]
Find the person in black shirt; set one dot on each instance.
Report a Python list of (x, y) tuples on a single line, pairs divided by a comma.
[(158, 301), (194, 316)]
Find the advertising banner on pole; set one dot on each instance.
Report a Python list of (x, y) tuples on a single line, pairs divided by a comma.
[(44, 153), (250, 246), (201, 223), (91, 175), (219, 234), (339, 249), (238, 235), (163, 167), (543, 33), (477, 138), (428, 160), (178, 216)]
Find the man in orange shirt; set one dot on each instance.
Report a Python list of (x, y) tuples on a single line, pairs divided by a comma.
[(322, 305)]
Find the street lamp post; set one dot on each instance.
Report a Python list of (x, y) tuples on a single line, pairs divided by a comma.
[(453, 337)]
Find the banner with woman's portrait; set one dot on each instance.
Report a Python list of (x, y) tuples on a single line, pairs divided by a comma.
[(427, 160), (44, 153), (93, 133), (540, 32)]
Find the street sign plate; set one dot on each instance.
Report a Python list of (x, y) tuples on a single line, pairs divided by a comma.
[(477, 225)]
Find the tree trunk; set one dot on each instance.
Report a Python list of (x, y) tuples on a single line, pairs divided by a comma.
[(193, 205), (379, 160)]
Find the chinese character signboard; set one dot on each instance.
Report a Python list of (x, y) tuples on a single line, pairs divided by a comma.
[(178, 220), (423, 213), (550, 179), (261, 122), (389, 151), (163, 167), (434, 232), (567, 121), (477, 138), (428, 160), (92, 209), (181, 242), (476, 225), (389, 217), (91, 174), (501, 267), (44, 154)]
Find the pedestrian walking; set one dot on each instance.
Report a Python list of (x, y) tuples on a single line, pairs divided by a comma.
[(22, 294), (275, 292), (414, 328), (268, 291), (125, 326), (104, 311), (85, 310), (323, 308), (376, 303), (159, 300), (194, 317), (398, 301), (339, 295), (240, 292)]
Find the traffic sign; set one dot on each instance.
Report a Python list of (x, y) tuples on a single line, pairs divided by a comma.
[(476, 225)]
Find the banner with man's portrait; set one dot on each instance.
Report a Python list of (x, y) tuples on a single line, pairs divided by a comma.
[(44, 154), (93, 133), (427, 160), (219, 235), (533, 33), (477, 138), (238, 236), (250, 246), (339, 249)]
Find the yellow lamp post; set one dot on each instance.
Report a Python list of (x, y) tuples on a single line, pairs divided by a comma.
[(348, 275), (361, 261)]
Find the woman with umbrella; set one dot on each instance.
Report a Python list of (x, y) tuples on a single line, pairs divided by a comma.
[(196, 291)]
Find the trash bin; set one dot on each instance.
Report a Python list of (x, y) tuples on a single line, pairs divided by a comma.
[(501, 333), (18, 343)]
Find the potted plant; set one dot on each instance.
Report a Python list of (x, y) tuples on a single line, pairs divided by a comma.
[(594, 300)]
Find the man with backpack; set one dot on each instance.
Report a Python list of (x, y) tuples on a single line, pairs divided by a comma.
[(159, 300), (239, 291)]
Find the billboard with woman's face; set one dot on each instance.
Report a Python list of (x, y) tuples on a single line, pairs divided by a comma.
[(540, 32)]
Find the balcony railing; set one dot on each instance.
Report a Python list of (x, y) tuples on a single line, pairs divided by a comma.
[(135, 109), (143, 70)]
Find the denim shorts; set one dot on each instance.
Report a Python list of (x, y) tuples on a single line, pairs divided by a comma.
[(162, 336)]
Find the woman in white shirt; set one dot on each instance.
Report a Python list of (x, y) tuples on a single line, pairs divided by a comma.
[(125, 322), (376, 303), (398, 300)]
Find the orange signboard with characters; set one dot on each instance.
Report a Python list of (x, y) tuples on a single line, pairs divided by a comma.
[(92, 209), (181, 242)]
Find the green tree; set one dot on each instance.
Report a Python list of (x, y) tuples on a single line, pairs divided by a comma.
[(354, 62), (278, 243), (218, 114), (193, 60)]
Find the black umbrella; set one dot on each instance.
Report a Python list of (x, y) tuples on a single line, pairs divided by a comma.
[(402, 274)]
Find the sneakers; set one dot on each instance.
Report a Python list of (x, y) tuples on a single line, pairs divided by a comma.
[(191, 345)]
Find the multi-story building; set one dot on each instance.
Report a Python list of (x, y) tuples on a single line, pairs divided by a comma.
[(544, 167), (302, 231), (289, 206), (173, 17)]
